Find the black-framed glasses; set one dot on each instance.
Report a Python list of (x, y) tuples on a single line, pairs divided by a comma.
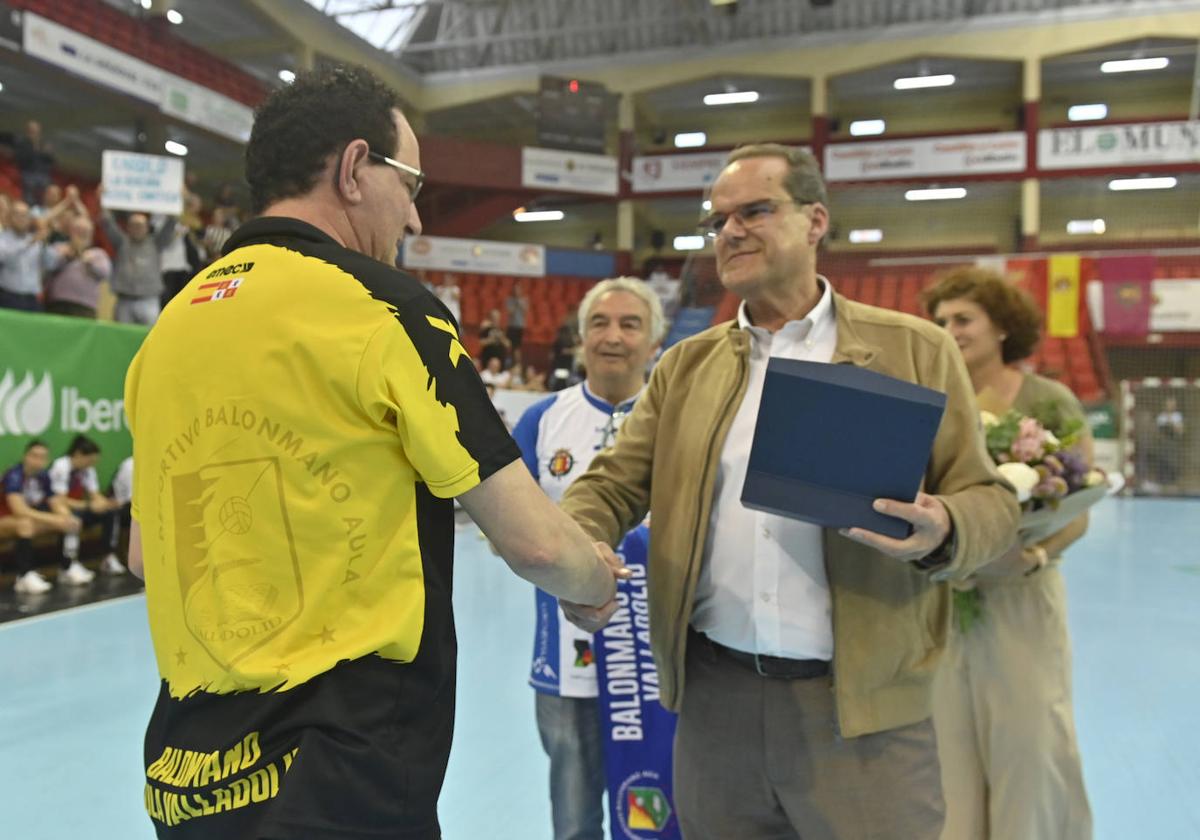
[(749, 215), (418, 181)]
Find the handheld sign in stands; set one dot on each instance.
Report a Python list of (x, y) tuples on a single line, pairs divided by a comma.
[(143, 183), (638, 730), (833, 438)]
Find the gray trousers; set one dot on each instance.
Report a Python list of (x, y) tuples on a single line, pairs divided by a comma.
[(137, 310), (760, 759)]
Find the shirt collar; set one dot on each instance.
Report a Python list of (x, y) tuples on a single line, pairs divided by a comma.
[(605, 406), (274, 228), (820, 316)]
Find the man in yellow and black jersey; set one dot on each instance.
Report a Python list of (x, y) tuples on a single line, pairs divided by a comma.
[(303, 414)]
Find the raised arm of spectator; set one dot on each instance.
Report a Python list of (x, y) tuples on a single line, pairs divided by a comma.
[(57, 210), (112, 230), (55, 256), (168, 229)]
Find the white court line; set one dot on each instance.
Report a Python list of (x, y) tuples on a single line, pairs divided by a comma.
[(69, 611)]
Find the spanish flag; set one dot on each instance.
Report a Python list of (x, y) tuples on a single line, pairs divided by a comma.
[(1062, 296)]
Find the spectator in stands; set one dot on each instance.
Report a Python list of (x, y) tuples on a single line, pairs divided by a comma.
[(50, 197), (526, 378), (182, 259), (667, 289), (137, 279), (493, 373), (564, 363), (1002, 697), (76, 491), (25, 513), (517, 306), (451, 295), (533, 379), (5, 210), (227, 202), (752, 614), (22, 245), (220, 227), (35, 162), (74, 271), (496, 345), (491, 321), (558, 437), (59, 214)]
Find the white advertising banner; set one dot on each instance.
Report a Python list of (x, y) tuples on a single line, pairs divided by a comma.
[(1096, 146), (1174, 305), (549, 169), (89, 58), (198, 105), (145, 183), (446, 253), (968, 154), (671, 173), (173, 95)]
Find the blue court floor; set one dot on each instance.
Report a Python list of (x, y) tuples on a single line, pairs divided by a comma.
[(76, 689)]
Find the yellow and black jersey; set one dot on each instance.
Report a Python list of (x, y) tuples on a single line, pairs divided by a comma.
[(302, 416)]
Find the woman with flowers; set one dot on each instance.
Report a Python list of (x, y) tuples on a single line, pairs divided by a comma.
[(1002, 698)]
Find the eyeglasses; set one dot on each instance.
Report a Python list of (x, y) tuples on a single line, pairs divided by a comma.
[(749, 215), (418, 181)]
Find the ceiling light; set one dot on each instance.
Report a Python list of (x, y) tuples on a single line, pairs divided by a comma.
[(287, 76), (858, 237), (1142, 183), (915, 82), (1, 87), (690, 139), (689, 243), (1079, 113), (736, 97), (935, 194), (706, 205), (1132, 65), (174, 16), (864, 128), (146, 4), (523, 215), (1079, 226), (176, 148)]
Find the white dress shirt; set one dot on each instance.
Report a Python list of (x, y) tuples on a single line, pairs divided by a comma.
[(762, 586)]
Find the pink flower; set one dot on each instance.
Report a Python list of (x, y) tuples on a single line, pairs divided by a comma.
[(1030, 443)]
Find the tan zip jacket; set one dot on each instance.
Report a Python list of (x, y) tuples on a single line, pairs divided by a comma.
[(890, 620)]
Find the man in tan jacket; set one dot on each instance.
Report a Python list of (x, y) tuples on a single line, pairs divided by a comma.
[(799, 659)]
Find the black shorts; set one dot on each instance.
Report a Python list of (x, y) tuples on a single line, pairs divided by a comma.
[(357, 752)]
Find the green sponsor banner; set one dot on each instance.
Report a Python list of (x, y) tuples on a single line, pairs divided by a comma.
[(1102, 419), (60, 377)]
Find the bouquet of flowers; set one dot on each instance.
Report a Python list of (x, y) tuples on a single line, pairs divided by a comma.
[(1040, 456)]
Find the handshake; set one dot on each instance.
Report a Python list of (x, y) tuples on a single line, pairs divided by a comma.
[(592, 619)]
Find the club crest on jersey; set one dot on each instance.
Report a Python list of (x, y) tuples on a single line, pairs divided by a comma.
[(561, 463)]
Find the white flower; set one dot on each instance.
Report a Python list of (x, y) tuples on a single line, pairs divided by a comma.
[(1094, 478), (989, 419), (1021, 476), (1049, 439)]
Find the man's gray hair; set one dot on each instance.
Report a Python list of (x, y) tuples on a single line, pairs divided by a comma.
[(803, 182), (634, 286)]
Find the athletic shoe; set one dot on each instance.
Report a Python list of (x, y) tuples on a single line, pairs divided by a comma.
[(31, 583), (76, 574), (112, 566)]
